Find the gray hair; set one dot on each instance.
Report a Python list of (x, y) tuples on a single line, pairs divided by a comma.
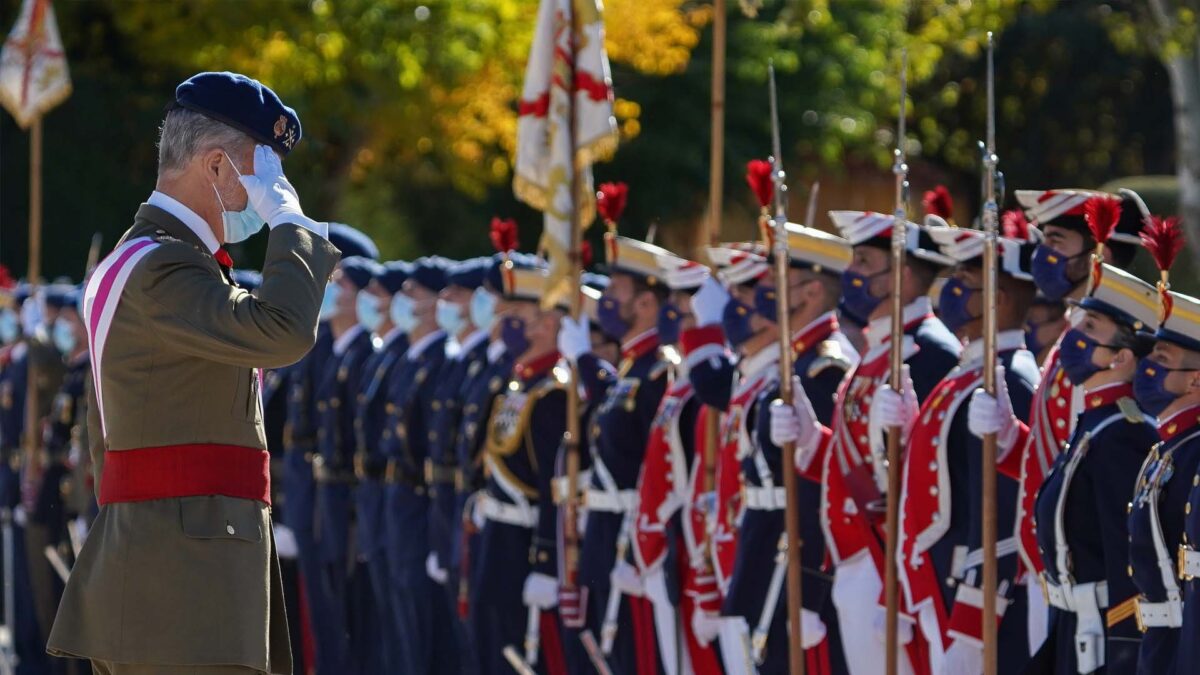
[(185, 133)]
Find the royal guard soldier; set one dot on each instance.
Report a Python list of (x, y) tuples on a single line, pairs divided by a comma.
[(183, 470), (466, 358), (426, 634), (732, 355), (846, 453), (657, 546), (373, 304), (821, 357), (514, 585), (1167, 386), (1060, 271), (617, 433), (940, 546), (1081, 508)]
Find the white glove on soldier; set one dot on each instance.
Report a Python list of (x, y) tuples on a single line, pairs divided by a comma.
[(541, 591), (962, 659), (705, 626), (273, 197), (625, 578), (797, 424), (285, 542), (890, 408), (574, 338), (434, 570), (708, 304), (988, 415)]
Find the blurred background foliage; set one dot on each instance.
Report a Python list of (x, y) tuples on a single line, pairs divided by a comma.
[(409, 107)]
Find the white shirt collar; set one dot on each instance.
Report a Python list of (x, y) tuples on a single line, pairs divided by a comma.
[(880, 330), (186, 216), (391, 336), (415, 349), (1006, 341), (471, 340), (750, 365), (495, 350), (342, 343)]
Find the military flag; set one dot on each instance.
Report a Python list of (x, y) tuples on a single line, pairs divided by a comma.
[(566, 123), (33, 66)]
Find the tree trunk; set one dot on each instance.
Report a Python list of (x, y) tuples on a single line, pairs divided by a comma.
[(1184, 71)]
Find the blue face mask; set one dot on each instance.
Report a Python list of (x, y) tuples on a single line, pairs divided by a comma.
[(329, 302), (856, 293), (765, 302), (450, 317), (369, 313), (64, 336), (669, 319), (403, 313), (483, 309), (1075, 354), (10, 326), (512, 333), (736, 322), (1049, 270), (1150, 387), (953, 302), (239, 225), (609, 317)]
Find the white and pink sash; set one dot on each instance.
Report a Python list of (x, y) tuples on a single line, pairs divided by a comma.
[(100, 300)]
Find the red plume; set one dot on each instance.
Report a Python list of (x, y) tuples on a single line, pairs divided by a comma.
[(504, 234), (1102, 214), (610, 201), (758, 176), (1014, 225), (1163, 238), (938, 202), (6, 280), (585, 254)]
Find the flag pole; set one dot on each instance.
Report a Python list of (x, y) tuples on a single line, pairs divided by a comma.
[(34, 274)]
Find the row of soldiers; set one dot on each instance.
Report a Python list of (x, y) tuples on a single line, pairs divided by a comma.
[(421, 474)]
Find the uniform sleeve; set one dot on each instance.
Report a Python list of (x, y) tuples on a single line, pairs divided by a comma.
[(710, 366), (547, 425), (193, 310), (596, 375)]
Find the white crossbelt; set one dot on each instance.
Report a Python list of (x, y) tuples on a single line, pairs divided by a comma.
[(509, 514), (610, 502), (1063, 596), (1189, 563), (1004, 547), (766, 498), (1167, 614)]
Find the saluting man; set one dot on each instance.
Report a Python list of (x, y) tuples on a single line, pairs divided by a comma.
[(179, 573)]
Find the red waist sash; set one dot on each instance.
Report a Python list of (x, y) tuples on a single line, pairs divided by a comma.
[(194, 470)]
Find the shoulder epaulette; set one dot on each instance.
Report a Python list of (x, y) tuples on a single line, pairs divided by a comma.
[(829, 355), (1129, 408)]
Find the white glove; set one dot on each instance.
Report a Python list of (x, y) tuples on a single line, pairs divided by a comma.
[(797, 424), (891, 409), (962, 659), (625, 578), (285, 542), (812, 629), (434, 570), (82, 527), (904, 627), (705, 626), (988, 415), (574, 338), (708, 304), (541, 591), (273, 197)]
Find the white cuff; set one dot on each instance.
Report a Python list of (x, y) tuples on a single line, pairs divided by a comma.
[(300, 220)]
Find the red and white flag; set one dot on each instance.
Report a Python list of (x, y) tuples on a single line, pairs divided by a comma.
[(566, 123), (33, 66)]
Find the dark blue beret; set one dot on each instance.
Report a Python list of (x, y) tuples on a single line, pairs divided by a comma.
[(468, 273), (242, 103), (596, 281), (247, 279), (394, 274), (430, 272), (491, 273), (351, 242), (360, 271), (60, 295)]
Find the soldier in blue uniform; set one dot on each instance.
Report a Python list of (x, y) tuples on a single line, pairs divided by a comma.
[(514, 570), (372, 603), (616, 435), (426, 642), (822, 356), (1080, 511), (336, 394), (1167, 385)]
